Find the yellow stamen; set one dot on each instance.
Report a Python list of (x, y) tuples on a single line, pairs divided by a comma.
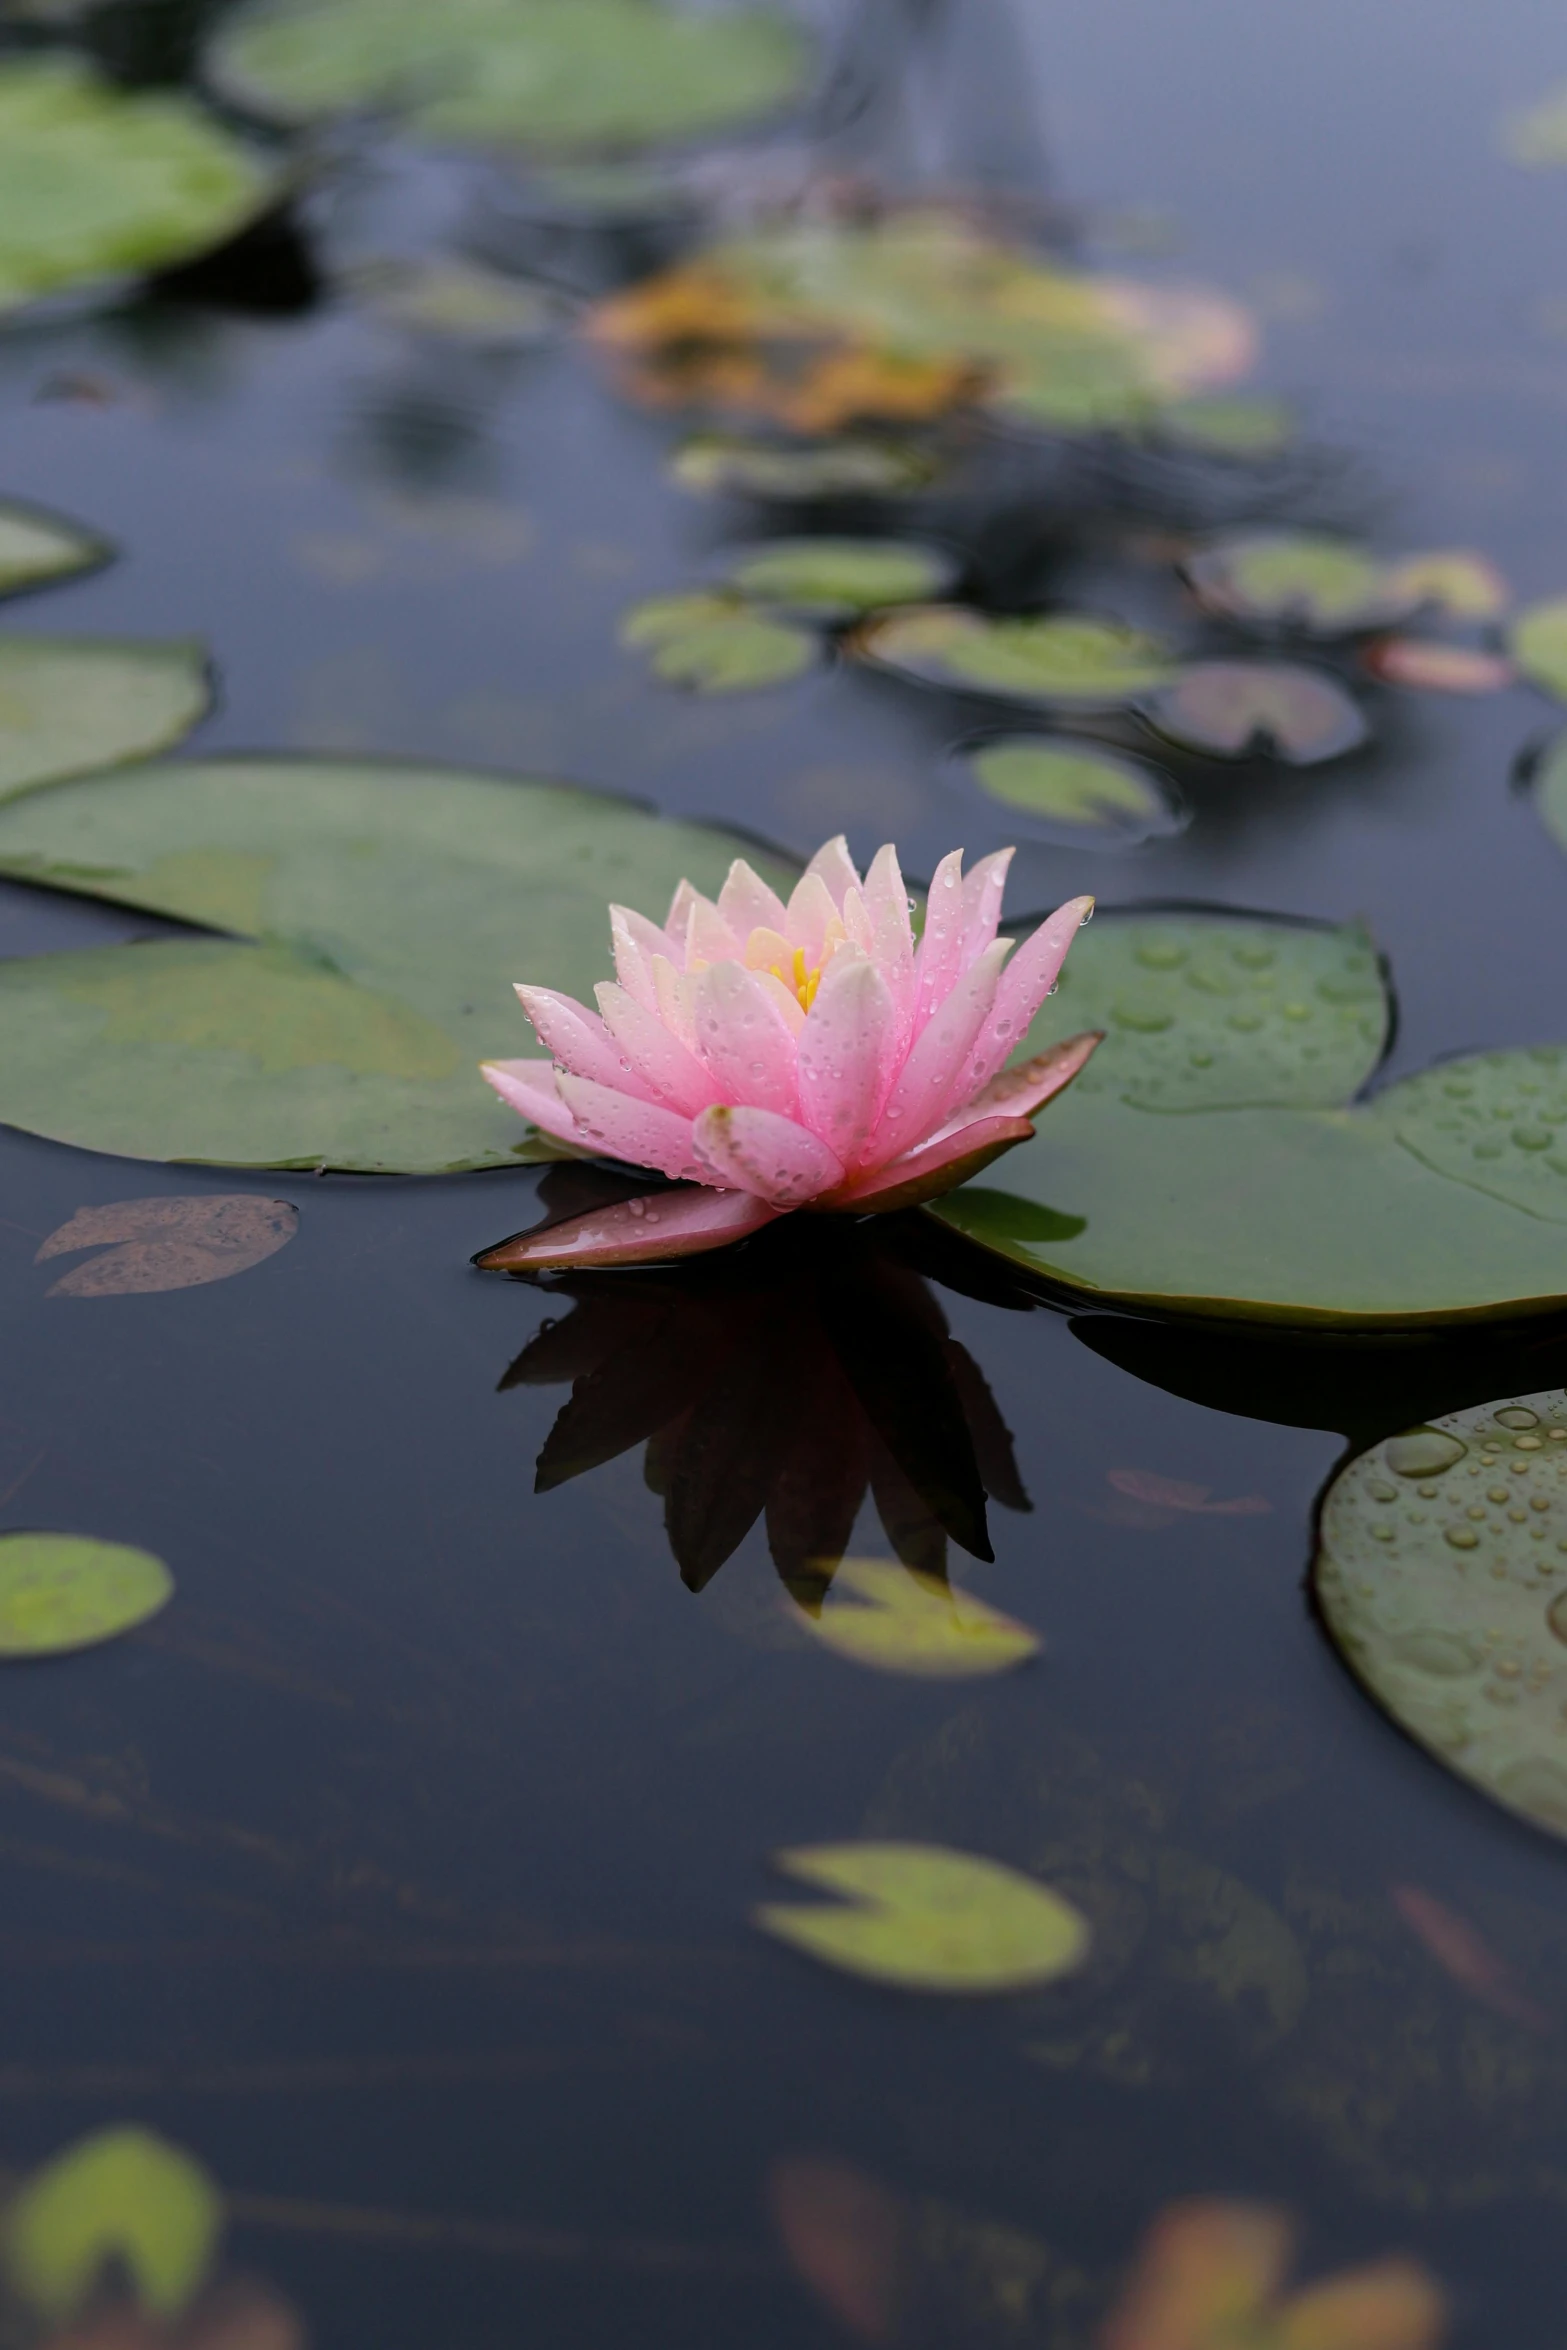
[(805, 983)]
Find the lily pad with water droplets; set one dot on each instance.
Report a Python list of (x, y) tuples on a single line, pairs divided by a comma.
[(1249, 709), (1441, 1573), (1075, 793), (1294, 580), (1053, 661), (60, 1592), (71, 704), (727, 463), (716, 644), (1537, 641), (123, 2196), (36, 547), (835, 579), (903, 1622), (1497, 1121), (922, 1918)]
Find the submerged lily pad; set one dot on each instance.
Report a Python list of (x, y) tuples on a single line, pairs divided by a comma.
[(1247, 709), (1294, 580), (835, 579), (455, 300), (387, 911), (96, 181), (925, 1919), (168, 1243), (1233, 427), (557, 76), (725, 463), (716, 644), (1538, 644), (123, 2196), (903, 1622), (1077, 793), (1054, 660), (60, 1592), (70, 704), (1441, 1571), (36, 547)]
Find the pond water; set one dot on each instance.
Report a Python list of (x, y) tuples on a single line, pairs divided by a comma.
[(402, 1869)]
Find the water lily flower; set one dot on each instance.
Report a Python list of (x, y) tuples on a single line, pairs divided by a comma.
[(770, 1057)]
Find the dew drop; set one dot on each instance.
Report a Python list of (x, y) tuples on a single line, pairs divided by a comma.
[(1518, 1415), (1462, 1538), (1423, 1452)]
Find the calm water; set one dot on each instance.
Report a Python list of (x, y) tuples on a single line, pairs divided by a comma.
[(401, 1870)]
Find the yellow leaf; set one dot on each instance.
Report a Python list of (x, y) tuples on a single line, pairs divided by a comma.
[(122, 2195), (64, 1591), (927, 1919), (913, 1623)]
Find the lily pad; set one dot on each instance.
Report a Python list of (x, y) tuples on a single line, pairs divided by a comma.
[(1453, 580), (60, 1592), (71, 704), (1055, 660), (454, 300), (1550, 789), (1538, 644), (922, 1918), (1536, 135), (716, 645), (727, 464), (164, 1243), (1441, 1571), (1294, 580), (556, 76), (1233, 427), (836, 579), (36, 547), (385, 910), (95, 181), (1430, 665), (123, 2196), (1251, 709), (1080, 795), (905, 1622)]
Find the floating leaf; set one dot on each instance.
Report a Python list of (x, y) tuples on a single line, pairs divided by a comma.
[(389, 910), (36, 547), (1248, 709), (1056, 660), (926, 1919), (62, 1591), (911, 1623), (1536, 135), (123, 2195), (719, 463), (1467, 586), (558, 76), (1431, 666), (1228, 427), (1497, 1121), (70, 704), (716, 644), (1442, 1576), (1075, 791), (95, 181), (1280, 579), (1537, 641), (1550, 789), (455, 300), (156, 1244), (834, 579)]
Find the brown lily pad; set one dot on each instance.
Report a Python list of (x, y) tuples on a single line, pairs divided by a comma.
[(1245, 709), (165, 1243), (1436, 668)]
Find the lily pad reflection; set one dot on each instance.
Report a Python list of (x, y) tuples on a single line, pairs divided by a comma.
[(1075, 792)]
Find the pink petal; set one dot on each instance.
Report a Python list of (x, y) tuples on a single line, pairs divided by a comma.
[(635, 1232), (939, 1167), (887, 903), (833, 865), (574, 1035), (1025, 983), (641, 1133), (811, 908), (939, 962), (746, 1039), (708, 937), (661, 1062), (931, 1083), (635, 941), (746, 903), (674, 1000), (1023, 1091), (844, 1052), (983, 890), (532, 1089), (757, 1151)]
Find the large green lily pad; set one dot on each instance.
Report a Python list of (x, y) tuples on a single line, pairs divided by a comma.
[(379, 916), (1051, 661), (36, 547), (96, 181), (1442, 1574), (68, 704), (557, 76)]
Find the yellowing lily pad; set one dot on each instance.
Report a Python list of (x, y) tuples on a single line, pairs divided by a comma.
[(922, 1918), (37, 547), (1248, 709), (70, 704), (1055, 660), (834, 579), (124, 2196), (1538, 644), (716, 644), (65, 1591), (1078, 794), (1453, 580), (903, 1622)]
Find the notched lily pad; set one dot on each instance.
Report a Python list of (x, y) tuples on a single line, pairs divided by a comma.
[(716, 644), (60, 1592), (1295, 580), (164, 1243), (717, 464), (1537, 641), (1441, 1572), (1249, 709), (123, 2196), (1497, 1121), (836, 579), (903, 1622), (36, 547), (73, 704), (1055, 660), (921, 1918), (1083, 796)]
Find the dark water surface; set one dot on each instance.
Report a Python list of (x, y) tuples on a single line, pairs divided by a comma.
[(401, 1869)]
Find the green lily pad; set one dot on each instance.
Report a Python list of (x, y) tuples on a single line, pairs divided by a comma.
[(729, 464), (62, 1591), (123, 2196), (557, 76), (922, 1918), (716, 644), (1550, 789), (883, 1614), (1537, 641), (1250, 709), (1056, 660), (836, 579), (1294, 580), (1441, 1571), (70, 704), (36, 547), (456, 301), (1077, 794), (1536, 135), (384, 912), (96, 181), (1233, 427)]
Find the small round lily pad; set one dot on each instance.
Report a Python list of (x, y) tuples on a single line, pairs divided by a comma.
[(716, 464), (1054, 660), (716, 644), (1317, 585), (837, 579), (64, 1591), (1247, 709), (1076, 792)]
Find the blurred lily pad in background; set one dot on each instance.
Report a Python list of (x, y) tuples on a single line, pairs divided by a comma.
[(921, 1918), (1053, 660), (882, 1613), (1227, 427), (1537, 641), (36, 548), (835, 579), (1075, 791), (453, 299), (1246, 709), (168, 1243), (123, 2199), (70, 704), (716, 464), (716, 643), (1536, 135), (1297, 580), (1431, 665), (65, 1591)]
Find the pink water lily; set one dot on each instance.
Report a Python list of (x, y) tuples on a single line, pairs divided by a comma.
[(770, 1057)]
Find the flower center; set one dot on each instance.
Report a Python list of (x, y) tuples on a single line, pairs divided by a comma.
[(804, 983)]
